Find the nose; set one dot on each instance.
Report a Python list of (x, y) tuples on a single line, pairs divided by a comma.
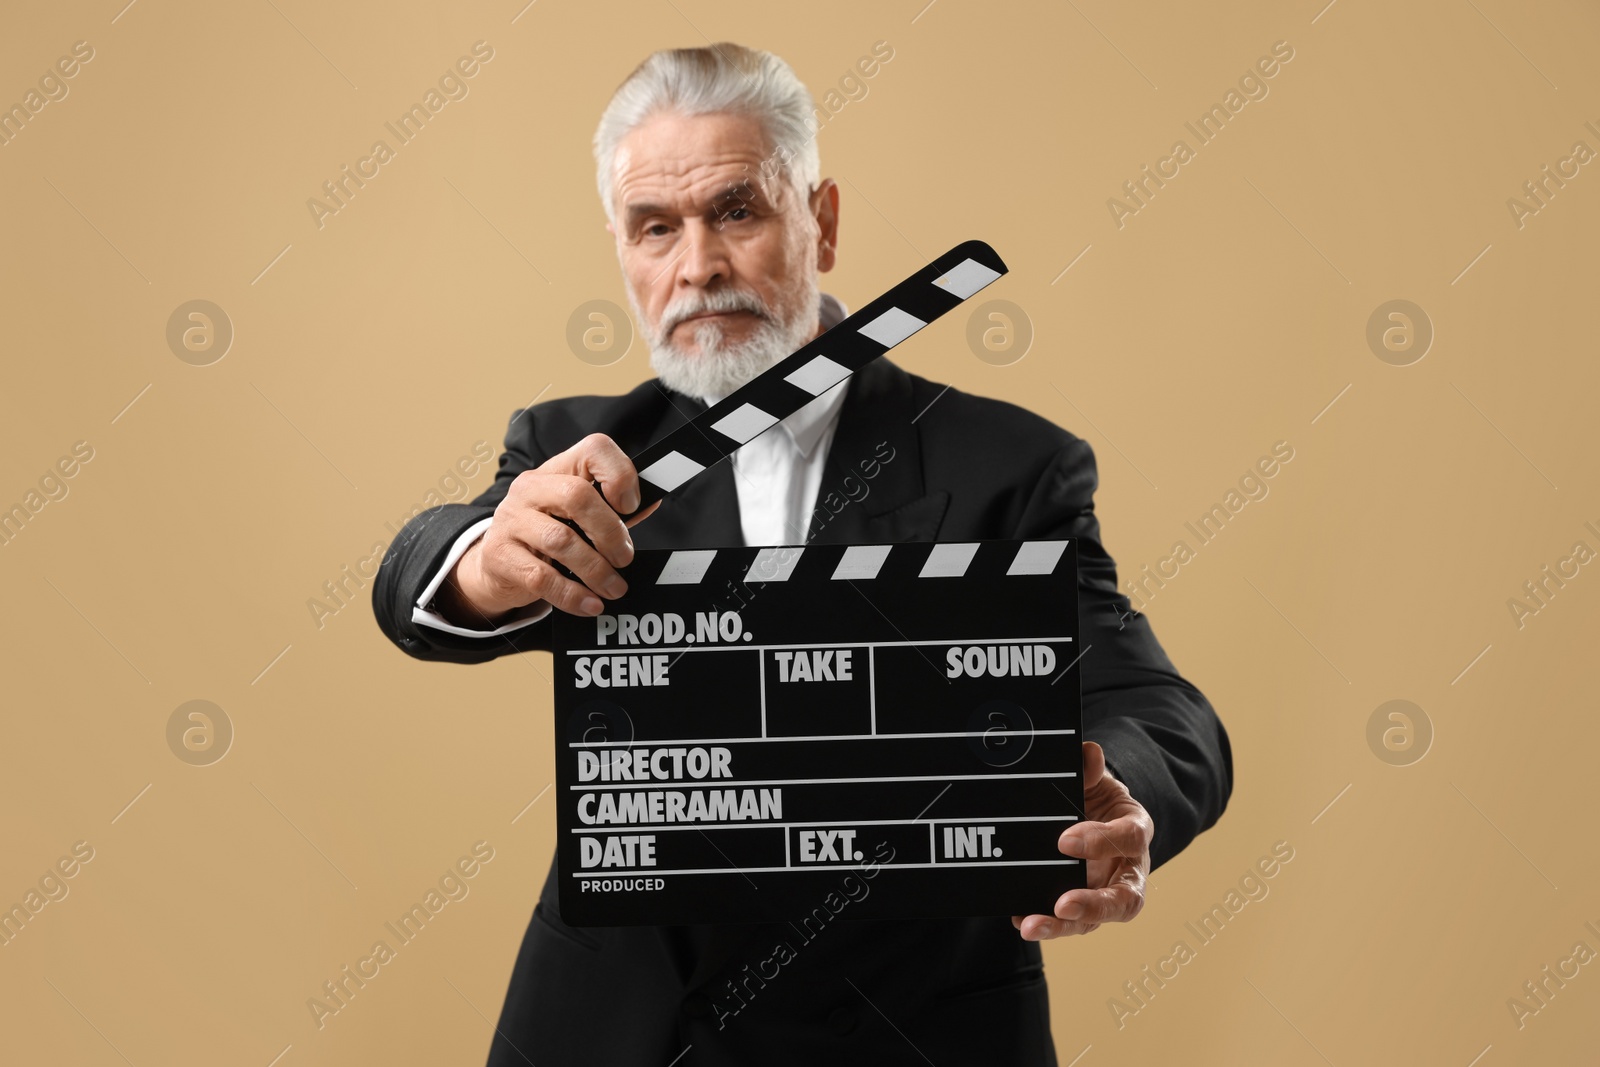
[(705, 262)]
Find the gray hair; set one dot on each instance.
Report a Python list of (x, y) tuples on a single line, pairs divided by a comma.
[(723, 77)]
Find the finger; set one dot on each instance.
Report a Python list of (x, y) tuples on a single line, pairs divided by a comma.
[(1038, 927), (1127, 837), (1116, 903), (1094, 764), (573, 497), (1046, 928), (555, 540), (597, 458), (516, 563), (639, 516)]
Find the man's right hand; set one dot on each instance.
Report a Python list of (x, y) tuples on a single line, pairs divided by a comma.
[(511, 564)]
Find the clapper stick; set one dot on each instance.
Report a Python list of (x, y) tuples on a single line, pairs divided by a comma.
[(757, 406)]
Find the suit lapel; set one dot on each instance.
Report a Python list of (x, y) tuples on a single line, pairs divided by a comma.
[(872, 489), (705, 514)]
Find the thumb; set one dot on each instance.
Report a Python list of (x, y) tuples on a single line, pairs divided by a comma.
[(1094, 764)]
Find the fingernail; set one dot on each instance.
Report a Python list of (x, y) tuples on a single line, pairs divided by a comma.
[(1071, 911), (630, 501), (591, 606), (1071, 846), (615, 587)]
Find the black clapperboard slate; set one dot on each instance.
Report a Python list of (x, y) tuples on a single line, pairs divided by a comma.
[(748, 727)]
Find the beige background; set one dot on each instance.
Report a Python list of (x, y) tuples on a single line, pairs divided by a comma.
[(372, 353)]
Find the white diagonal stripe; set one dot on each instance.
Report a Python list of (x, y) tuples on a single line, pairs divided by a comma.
[(892, 327), (686, 567), (671, 471), (773, 564), (966, 278), (744, 422), (949, 561), (861, 561), (818, 376), (1037, 557)]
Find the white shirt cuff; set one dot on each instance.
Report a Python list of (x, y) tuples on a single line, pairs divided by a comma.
[(423, 614)]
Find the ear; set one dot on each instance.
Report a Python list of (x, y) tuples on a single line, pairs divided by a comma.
[(825, 209)]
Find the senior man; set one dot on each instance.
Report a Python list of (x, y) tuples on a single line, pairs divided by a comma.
[(720, 252)]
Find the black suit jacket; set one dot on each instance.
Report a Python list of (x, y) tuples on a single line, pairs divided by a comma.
[(947, 465)]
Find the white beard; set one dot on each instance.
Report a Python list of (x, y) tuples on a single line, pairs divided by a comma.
[(721, 366)]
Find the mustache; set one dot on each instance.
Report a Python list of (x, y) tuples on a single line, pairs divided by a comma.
[(722, 300)]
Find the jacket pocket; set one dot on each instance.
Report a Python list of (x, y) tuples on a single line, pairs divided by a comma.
[(1027, 980), (1006, 1022)]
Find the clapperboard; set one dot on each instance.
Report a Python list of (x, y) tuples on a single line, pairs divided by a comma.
[(748, 726)]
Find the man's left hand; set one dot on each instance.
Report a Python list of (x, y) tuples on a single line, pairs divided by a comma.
[(1114, 841)]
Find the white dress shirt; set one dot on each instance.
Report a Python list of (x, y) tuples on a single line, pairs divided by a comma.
[(777, 475)]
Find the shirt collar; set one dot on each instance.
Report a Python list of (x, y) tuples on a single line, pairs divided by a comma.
[(807, 425)]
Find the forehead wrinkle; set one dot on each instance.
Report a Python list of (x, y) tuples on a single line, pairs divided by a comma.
[(679, 182), (676, 168), (687, 161)]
